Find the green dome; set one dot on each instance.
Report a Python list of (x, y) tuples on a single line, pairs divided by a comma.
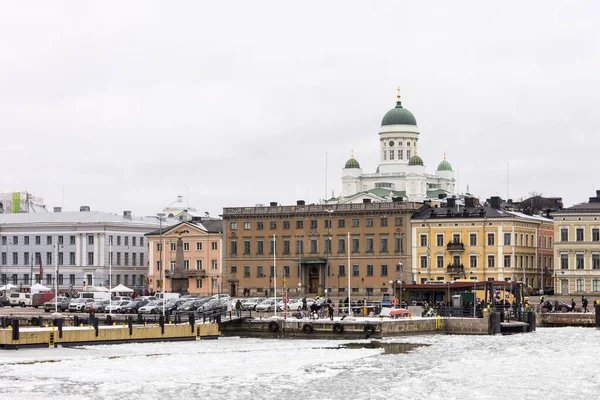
[(415, 160), (398, 116), (444, 166), (352, 163)]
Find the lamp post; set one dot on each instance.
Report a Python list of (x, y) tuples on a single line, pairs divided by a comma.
[(348, 273), (162, 267), (328, 248), (55, 277), (400, 281), (110, 269), (474, 295)]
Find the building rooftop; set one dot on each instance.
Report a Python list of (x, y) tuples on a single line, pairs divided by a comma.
[(74, 217)]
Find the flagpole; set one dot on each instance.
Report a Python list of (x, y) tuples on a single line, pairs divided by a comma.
[(348, 273), (275, 274)]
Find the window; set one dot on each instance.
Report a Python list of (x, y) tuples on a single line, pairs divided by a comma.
[(328, 223), (72, 258), (408, 154), (313, 246), (355, 270), (383, 221), (341, 270), (38, 240), (596, 235), (369, 222), (286, 224), (61, 258), (4, 241), (246, 271), (26, 240), (564, 235), (564, 261), (246, 246), (313, 224), (506, 261), (370, 269), (423, 261), (15, 257), (49, 240), (259, 271), (134, 259), (260, 226), (272, 225), (579, 234), (299, 246), (118, 257), (272, 246), (286, 271), (399, 154), (491, 261), (355, 222), (355, 245), (384, 270), (456, 238), (423, 240), (286, 246), (397, 221), (126, 259), (142, 259), (246, 226), (473, 239), (490, 239), (214, 245), (90, 239), (118, 240), (48, 279), (341, 223), (473, 261), (233, 226), (507, 239), (26, 278), (579, 261), (26, 258), (198, 246), (392, 154), (328, 245), (580, 285), (15, 240), (126, 240), (341, 245), (186, 246), (173, 246), (440, 262), (299, 224), (259, 246), (213, 265), (595, 261), (527, 240), (383, 244), (369, 245), (398, 244), (49, 258), (439, 240), (234, 269), (199, 264)]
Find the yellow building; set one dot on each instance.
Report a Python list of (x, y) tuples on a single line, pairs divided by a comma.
[(577, 248), (482, 243), (202, 245)]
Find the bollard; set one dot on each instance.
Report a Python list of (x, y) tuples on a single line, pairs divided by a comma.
[(130, 324), (96, 326), (15, 329), (76, 320), (161, 322), (495, 327), (192, 320), (109, 320), (59, 322), (532, 322), (41, 321), (140, 319)]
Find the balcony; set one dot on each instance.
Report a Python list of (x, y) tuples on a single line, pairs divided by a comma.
[(188, 272), (456, 269), (455, 246)]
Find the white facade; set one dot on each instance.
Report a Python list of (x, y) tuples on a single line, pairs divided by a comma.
[(398, 143), (74, 246)]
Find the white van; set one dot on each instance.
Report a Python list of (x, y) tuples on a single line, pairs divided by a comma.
[(93, 295), (168, 296), (20, 299)]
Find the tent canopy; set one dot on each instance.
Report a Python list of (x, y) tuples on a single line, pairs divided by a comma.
[(38, 287), (8, 287), (121, 289)]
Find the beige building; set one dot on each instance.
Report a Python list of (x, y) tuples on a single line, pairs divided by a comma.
[(577, 248), (202, 246), (314, 247), (481, 243)]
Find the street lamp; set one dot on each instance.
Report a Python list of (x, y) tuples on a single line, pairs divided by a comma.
[(400, 280), (110, 269), (160, 218), (328, 248), (474, 294)]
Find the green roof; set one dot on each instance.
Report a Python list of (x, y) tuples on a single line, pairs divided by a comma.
[(415, 160), (352, 163), (444, 166), (398, 116)]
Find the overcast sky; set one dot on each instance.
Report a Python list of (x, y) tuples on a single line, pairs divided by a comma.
[(124, 105)]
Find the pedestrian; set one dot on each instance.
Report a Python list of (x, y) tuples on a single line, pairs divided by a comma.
[(330, 307), (238, 308), (573, 305), (585, 304), (304, 304), (92, 313), (541, 299), (266, 293)]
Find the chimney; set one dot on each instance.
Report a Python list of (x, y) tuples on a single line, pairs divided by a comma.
[(57, 209), (442, 196), (273, 204), (180, 199), (495, 202), (84, 208), (300, 202), (366, 201), (451, 202), (127, 214), (469, 202), (548, 211)]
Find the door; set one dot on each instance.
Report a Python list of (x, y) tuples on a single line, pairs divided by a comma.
[(232, 291), (564, 286), (313, 283)]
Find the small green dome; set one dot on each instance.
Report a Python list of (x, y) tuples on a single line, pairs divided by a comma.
[(444, 166), (398, 116), (415, 160), (352, 163)]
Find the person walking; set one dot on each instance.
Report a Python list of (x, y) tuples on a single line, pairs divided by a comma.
[(304, 304), (573, 304), (92, 314), (238, 308), (330, 308), (585, 304)]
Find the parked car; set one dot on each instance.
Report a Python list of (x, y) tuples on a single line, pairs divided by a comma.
[(116, 305), (133, 306), (190, 306), (250, 304), (551, 305), (38, 299), (78, 305), (292, 305), (214, 305), (150, 308), (267, 305), (122, 298), (20, 299), (62, 302), (99, 306), (4, 301)]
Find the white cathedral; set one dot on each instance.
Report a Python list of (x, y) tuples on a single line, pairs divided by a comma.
[(401, 172)]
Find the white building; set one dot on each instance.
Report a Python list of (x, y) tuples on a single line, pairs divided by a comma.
[(401, 171), (77, 245)]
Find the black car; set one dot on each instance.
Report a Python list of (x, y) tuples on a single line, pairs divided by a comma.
[(4, 301), (562, 307), (133, 306), (189, 306)]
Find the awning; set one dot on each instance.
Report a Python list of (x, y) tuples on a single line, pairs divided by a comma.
[(310, 261)]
